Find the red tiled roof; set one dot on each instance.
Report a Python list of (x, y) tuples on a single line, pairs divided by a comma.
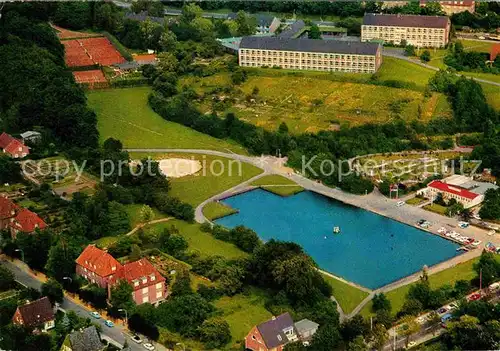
[(453, 189), (145, 57), (11, 145), (98, 261), (8, 208), (36, 312), (27, 221), (138, 270), (495, 51)]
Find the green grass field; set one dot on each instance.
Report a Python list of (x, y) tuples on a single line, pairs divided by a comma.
[(134, 213), (242, 312), (397, 69), (436, 208), (347, 296), (124, 114), (462, 271), (198, 187), (214, 210), (492, 93), (203, 243), (308, 103), (278, 185)]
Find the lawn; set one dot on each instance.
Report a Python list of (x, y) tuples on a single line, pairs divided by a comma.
[(215, 210), (134, 213), (242, 312), (415, 201), (462, 271), (201, 242), (124, 114), (198, 187), (310, 103), (492, 93), (278, 185), (347, 296), (436, 208)]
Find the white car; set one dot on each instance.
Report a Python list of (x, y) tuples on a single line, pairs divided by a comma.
[(481, 37), (476, 216), (137, 339), (148, 346), (95, 315), (411, 344), (400, 203)]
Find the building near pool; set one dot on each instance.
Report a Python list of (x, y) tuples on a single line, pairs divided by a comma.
[(419, 31), (452, 7), (310, 54), (464, 189)]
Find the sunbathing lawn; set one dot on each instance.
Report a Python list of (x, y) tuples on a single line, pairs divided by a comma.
[(204, 243), (347, 296), (462, 271), (215, 210), (198, 187), (242, 312), (415, 201), (397, 69), (278, 185), (436, 208), (124, 114)]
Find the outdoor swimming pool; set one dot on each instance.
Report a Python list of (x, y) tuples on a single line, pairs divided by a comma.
[(371, 250)]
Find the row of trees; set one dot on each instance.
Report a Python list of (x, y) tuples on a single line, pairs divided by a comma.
[(462, 60)]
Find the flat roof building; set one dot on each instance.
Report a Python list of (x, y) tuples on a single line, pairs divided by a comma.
[(419, 31), (310, 54)]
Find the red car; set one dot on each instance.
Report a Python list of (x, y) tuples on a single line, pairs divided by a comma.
[(474, 297)]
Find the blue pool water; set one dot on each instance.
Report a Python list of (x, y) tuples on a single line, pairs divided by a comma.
[(371, 250)]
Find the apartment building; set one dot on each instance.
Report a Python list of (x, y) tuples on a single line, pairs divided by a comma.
[(97, 266), (452, 7), (419, 31), (310, 54)]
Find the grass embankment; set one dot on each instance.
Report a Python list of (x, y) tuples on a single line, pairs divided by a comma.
[(278, 185), (415, 201), (216, 175), (215, 210), (346, 295), (312, 101), (462, 271), (124, 114)]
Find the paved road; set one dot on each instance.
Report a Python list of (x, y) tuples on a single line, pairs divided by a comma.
[(116, 333)]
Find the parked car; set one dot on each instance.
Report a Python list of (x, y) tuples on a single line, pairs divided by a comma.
[(95, 314), (400, 203), (442, 310), (137, 339), (411, 344), (148, 346), (109, 323), (474, 297)]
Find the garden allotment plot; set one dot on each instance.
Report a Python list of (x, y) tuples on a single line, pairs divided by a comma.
[(371, 250)]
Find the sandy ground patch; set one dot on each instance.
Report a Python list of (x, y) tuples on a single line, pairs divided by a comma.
[(179, 167)]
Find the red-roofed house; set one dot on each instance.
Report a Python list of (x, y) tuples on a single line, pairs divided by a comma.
[(495, 51), (8, 210), (148, 284), (466, 197), (97, 266), (38, 314), (273, 334), (10, 145), (25, 221)]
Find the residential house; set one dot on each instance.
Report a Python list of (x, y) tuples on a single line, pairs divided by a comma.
[(419, 31), (272, 335), (31, 136), (83, 340), (148, 284), (12, 146), (8, 210), (452, 7), (97, 266), (310, 54), (25, 221), (38, 314), (306, 329)]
